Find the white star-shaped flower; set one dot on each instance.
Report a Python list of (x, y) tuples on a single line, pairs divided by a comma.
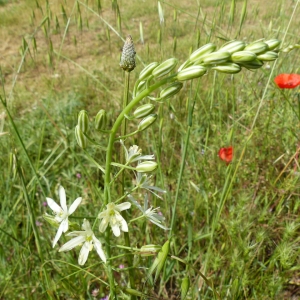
[(62, 212), (89, 241), (112, 216), (134, 153)]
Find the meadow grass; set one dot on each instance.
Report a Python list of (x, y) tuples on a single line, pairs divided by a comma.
[(236, 226)]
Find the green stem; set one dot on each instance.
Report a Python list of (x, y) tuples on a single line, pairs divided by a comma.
[(122, 185), (191, 108), (107, 183)]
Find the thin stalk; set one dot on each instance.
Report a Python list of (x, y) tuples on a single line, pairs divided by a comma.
[(122, 185), (34, 229), (190, 118)]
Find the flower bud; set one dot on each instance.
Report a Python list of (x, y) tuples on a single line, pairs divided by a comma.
[(243, 56), (51, 220), (186, 64), (218, 57), (83, 121), (149, 250), (191, 73), (100, 119), (206, 49), (257, 47), (146, 122), (146, 166), (233, 46), (185, 285), (229, 68), (127, 62), (268, 56), (254, 64), (80, 137), (147, 71), (272, 44), (143, 110), (165, 67), (171, 90)]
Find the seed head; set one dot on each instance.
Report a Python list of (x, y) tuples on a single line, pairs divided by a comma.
[(127, 62)]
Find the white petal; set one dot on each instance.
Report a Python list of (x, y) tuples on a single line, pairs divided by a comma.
[(123, 206), (65, 225), (62, 197), (53, 205), (84, 253), (74, 205), (72, 243), (86, 225), (116, 230), (103, 225), (58, 234), (102, 214), (98, 248), (124, 226)]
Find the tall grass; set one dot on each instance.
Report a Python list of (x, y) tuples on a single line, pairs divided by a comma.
[(236, 227)]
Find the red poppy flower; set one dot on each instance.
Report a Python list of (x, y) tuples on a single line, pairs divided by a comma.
[(226, 154), (287, 81)]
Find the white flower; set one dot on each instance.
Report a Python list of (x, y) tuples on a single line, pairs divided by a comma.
[(89, 241), (150, 213), (62, 212), (143, 181), (112, 216), (134, 153)]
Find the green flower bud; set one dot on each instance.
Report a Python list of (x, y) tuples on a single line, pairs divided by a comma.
[(243, 56), (191, 73), (233, 46), (146, 166), (288, 49), (100, 120), (165, 67), (51, 220), (171, 90), (80, 137), (133, 292), (186, 64), (146, 122), (218, 57), (185, 285), (127, 62), (149, 250), (147, 71), (268, 56), (272, 44), (206, 49), (229, 68), (257, 47), (143, 110), (254, 64), (83, 121)]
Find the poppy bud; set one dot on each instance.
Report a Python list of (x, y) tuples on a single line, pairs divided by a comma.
[(146, 166), (127, 62), (268, 56), (243, 56), (191, 73), (233, 46), (216, 57), (146, 72), (146, 122), (229, 68), (83, 121), (171, 90), (100, 119), (165, 67), (272, 44), (143, 110), (80, 137), (206, 49), (257, 47)]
